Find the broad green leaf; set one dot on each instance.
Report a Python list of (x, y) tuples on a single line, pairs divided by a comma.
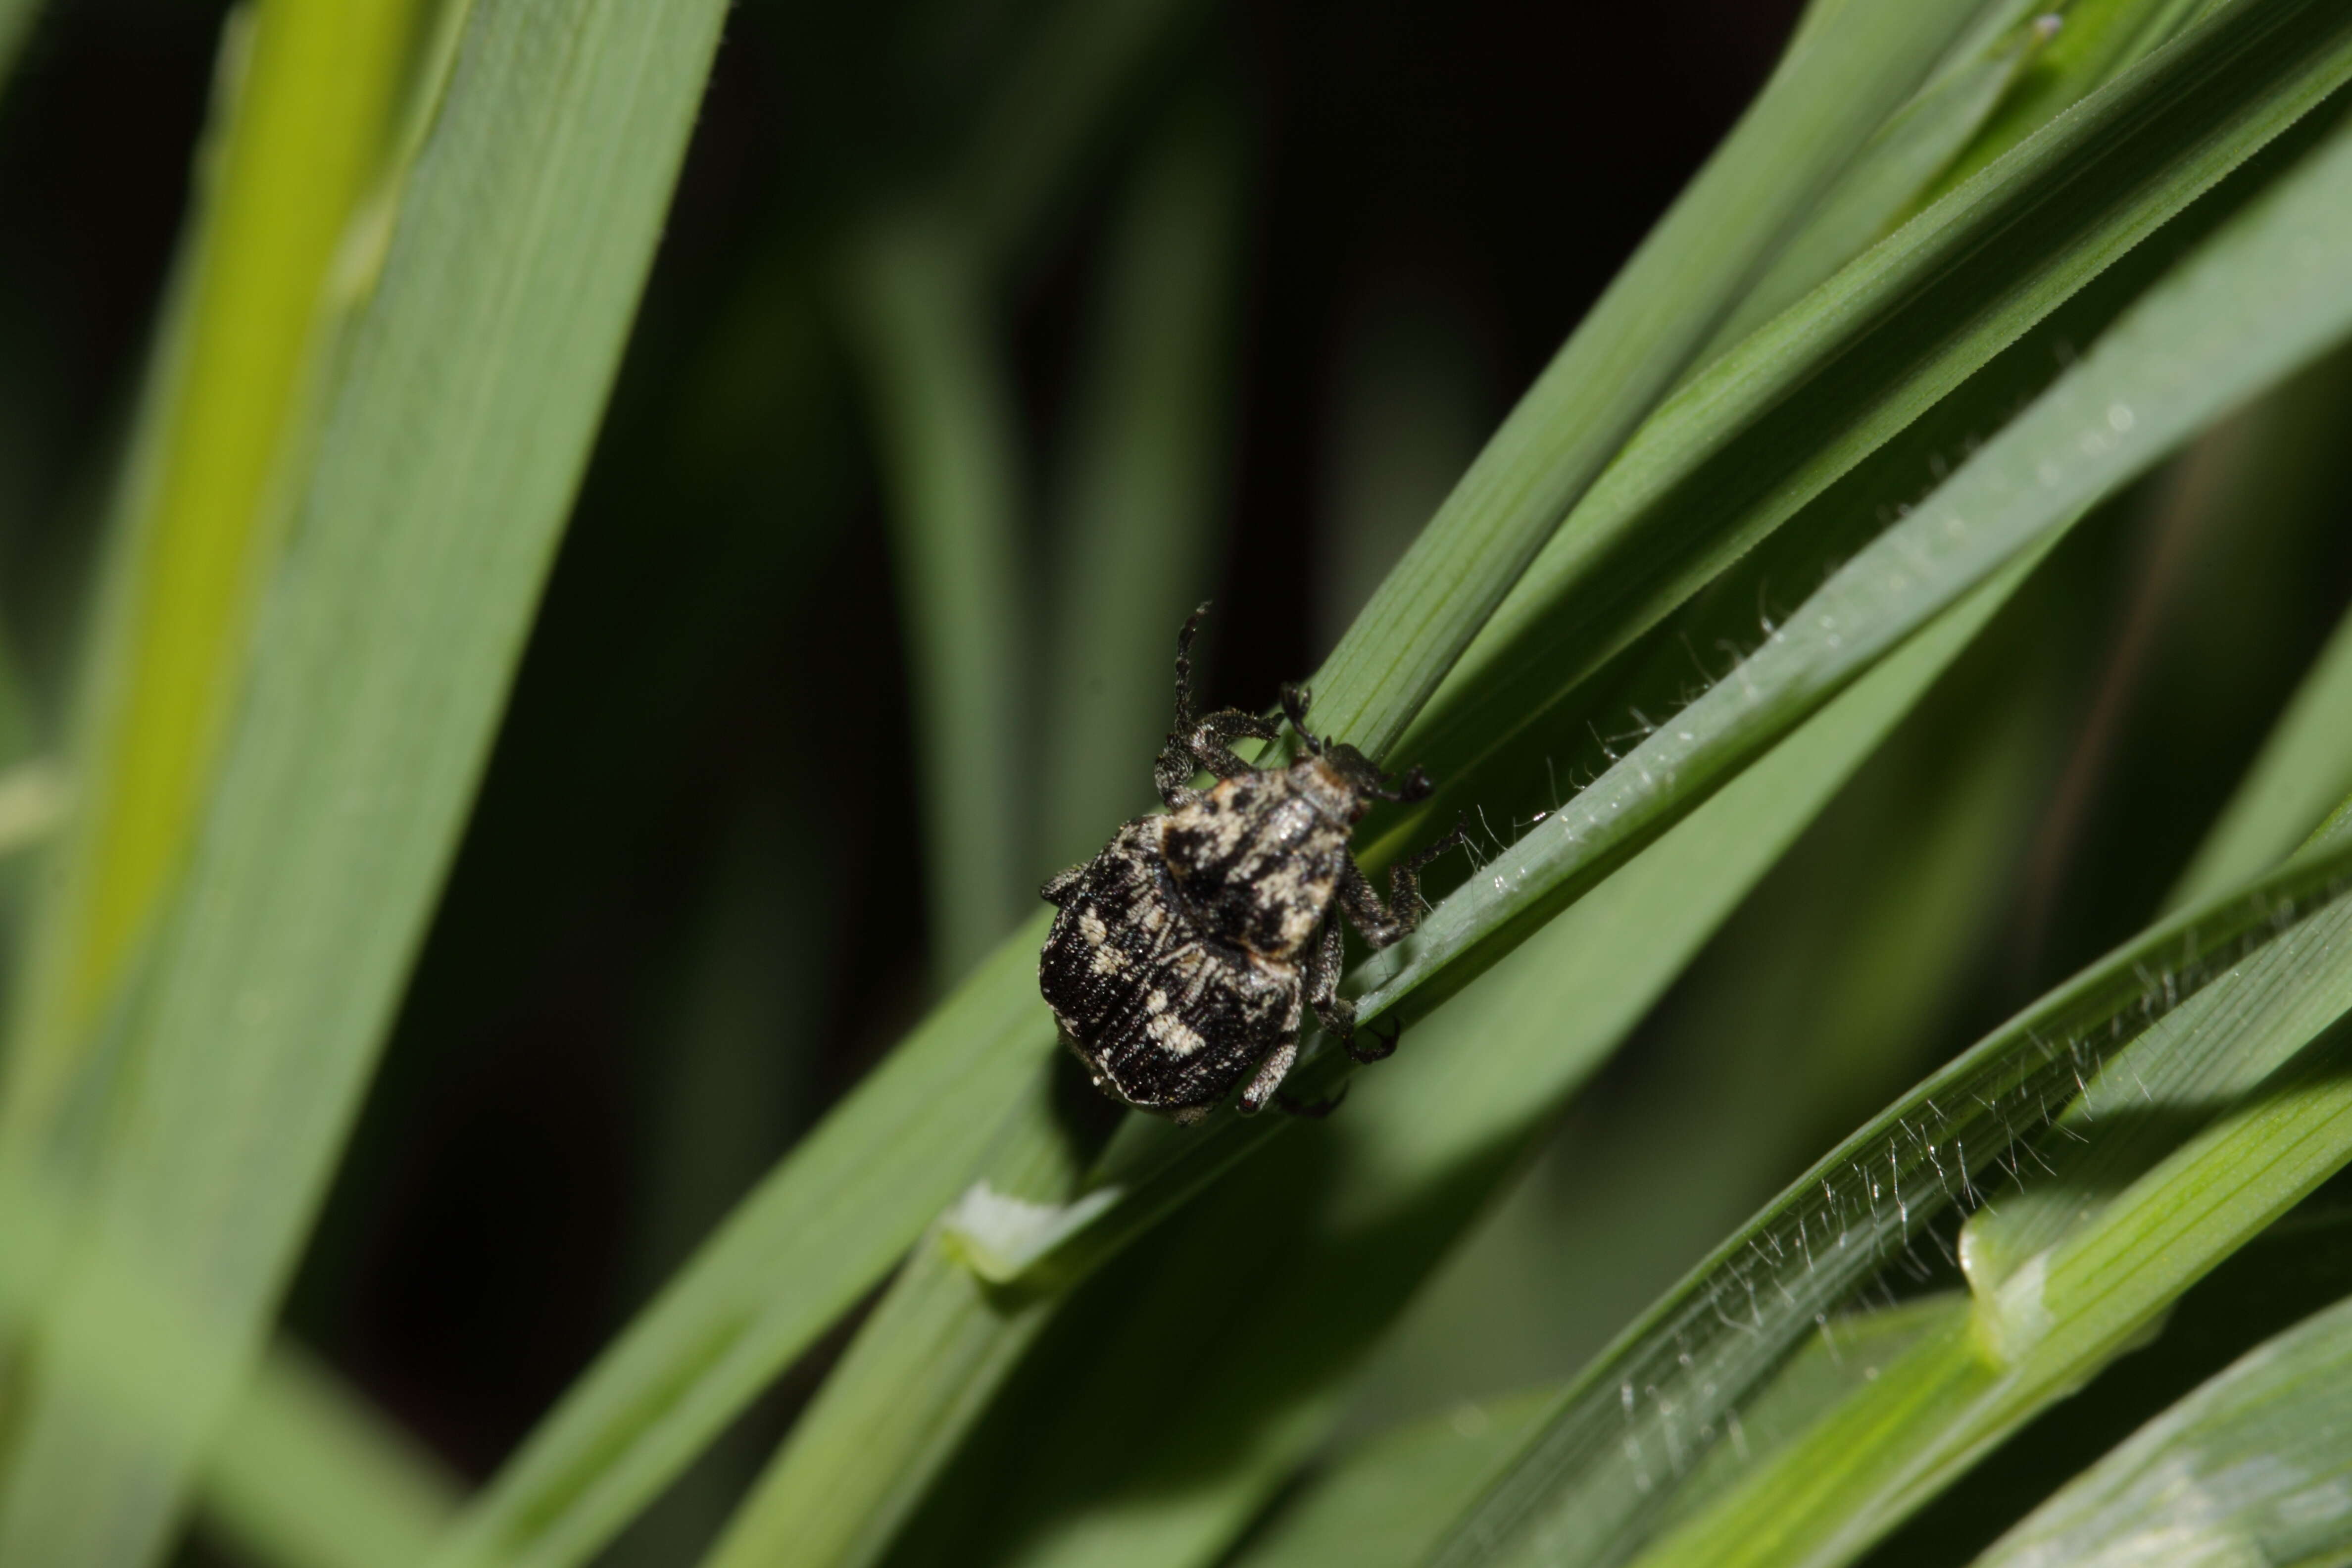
[(943, 409), (2254, 1466), (1774, 422), (1829, 94), (1136, 511), (304, 118), (454, 426)]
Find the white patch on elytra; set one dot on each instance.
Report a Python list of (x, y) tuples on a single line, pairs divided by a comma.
[(1091, 927), (1171, 1033), (1108, 959)]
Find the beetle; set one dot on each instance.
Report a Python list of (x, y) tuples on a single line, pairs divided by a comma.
[(1180, 956)]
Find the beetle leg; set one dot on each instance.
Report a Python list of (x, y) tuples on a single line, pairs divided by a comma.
[(1312, 1110), (1386, 924), (1268, 1079), (1210, 740), (1334, 1012)]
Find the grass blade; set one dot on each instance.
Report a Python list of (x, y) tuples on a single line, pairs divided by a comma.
[(304, 119), (2184, 353), (1382, 1504), (946, 423), (1830, 93), (304, 1476), (1366, 1207), (456, 427), (1138, 513), (827, 1222), (1706, 1348), (1769, 426), (1900, 162), (2252, 1468), (2039, 1332)]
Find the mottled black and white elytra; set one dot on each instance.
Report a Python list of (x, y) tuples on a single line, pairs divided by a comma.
[(1181, 955)]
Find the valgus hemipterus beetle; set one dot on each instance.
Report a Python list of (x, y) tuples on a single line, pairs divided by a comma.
[(1181, 955)]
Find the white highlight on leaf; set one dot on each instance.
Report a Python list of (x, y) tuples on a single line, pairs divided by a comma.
[(999, 1236)]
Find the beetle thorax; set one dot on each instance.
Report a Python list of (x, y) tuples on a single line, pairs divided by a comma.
[(1256, 860)]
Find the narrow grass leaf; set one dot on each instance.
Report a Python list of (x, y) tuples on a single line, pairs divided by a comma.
[(2208, 337), (1898, 164), (2254, 1466), (1774, 422), (1382, 1503), (826, 1223), (1595, 1484), (2304, 769), (305, 113), (2045, 1328), (1222, 1415), (2093, 42), (1138, 509), (943, 410), (2269, 291), (1830, 93), (305, 1473), (305, 1476), (864, 1451), (456, 423)]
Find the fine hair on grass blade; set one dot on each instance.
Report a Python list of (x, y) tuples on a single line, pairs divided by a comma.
[(1737, 452), (454, 426), (1672, 1387), (728, 1323), (1829, 94), (2191, 349)]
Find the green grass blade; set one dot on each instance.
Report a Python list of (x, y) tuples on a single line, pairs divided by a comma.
[(1048, 117), (1382, 1504), (2252, 1468), (2203, 340), (2305, 768), (2038, 1333), (304, 1473), (826, 1223), (863, 1454), (304, 1476), (1423, 1143), (305, 113), (1138, 510), (1915, 145), (1830, 93), (1774, 423), (455, 426), (944, 416), (1710, 1344), (2095, 41)]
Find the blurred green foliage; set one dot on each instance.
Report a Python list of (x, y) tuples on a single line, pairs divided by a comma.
[(565, 576)]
